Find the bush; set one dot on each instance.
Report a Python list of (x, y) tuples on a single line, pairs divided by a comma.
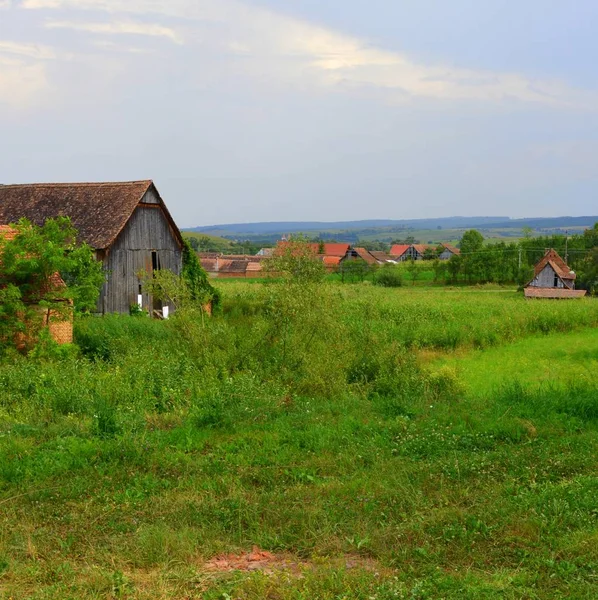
[(388, 276)]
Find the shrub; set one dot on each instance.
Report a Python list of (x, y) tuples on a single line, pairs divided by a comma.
[(388, 276)]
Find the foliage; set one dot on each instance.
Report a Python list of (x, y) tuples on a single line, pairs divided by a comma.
[(414, 270), (198, 285), (388, 276), (191, 291), (353, 270), (296, 263), (28, 283), (588, 276)]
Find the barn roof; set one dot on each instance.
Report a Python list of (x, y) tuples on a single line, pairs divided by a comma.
[(99, 211)]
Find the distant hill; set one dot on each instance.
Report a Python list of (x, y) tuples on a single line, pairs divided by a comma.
[(440, 229), (547, 223), (311, 226)]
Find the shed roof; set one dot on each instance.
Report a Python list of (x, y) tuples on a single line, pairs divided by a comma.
[(99, 211), (451, 248), (421, 248), (559, 266), (330, 249), (365, 255), (380, 256), (232, 266), (254, 266), (558, 293)]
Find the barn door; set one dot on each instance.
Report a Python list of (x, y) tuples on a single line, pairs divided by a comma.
[(156, 304)]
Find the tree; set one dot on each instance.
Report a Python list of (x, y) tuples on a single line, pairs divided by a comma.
[(296, 262), (472, 241), (454, 267), (472, 265), (44, 267), (355, 269), (430, 253), (413, 270), (588, 276)]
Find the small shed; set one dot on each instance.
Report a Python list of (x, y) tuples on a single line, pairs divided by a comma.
[(553, 279)]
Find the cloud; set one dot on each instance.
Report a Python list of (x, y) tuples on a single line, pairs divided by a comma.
[(21, 83), (277, 47), (27, 50), (119, 28)]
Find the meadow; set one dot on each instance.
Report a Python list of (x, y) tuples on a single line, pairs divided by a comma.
[(372, 444)]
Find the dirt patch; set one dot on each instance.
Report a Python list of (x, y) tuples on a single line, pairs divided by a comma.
[(267, 562), (256, 560)]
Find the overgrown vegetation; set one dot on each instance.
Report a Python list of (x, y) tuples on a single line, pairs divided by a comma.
[(43, 270), (304, 419)]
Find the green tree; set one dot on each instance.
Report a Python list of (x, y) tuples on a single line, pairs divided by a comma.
[(588, 275), (472, 265), (413, 270), (29, 264), (454, 267)]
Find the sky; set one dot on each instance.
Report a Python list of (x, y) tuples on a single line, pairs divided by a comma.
[(264, 110)]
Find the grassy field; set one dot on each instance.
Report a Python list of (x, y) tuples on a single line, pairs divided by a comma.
[(373, 444)]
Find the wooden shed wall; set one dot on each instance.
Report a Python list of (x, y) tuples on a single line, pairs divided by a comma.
[(545, 279), (148, 230)]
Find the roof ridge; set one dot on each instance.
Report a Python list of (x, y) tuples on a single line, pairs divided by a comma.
[(77, 183)]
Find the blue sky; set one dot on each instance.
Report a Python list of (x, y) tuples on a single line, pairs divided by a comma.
[(247, 110)]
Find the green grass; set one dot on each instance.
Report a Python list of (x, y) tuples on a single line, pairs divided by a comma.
[(568, 358), (327, 434)]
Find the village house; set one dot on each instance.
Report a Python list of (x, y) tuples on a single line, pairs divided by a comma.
[(552, 279), (403, 252), (329, 253), (448, 252), (400, 252), (127, 224), (370, 257), (225, 266), (59, 321)]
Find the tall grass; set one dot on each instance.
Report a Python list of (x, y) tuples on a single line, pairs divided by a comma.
[(305, 425)]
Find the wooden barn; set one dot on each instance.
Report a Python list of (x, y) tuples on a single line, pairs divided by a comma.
[(552, 279), (127, 224)]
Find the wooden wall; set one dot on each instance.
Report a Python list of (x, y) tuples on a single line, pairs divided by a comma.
[(148, 230), (545, 279)]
